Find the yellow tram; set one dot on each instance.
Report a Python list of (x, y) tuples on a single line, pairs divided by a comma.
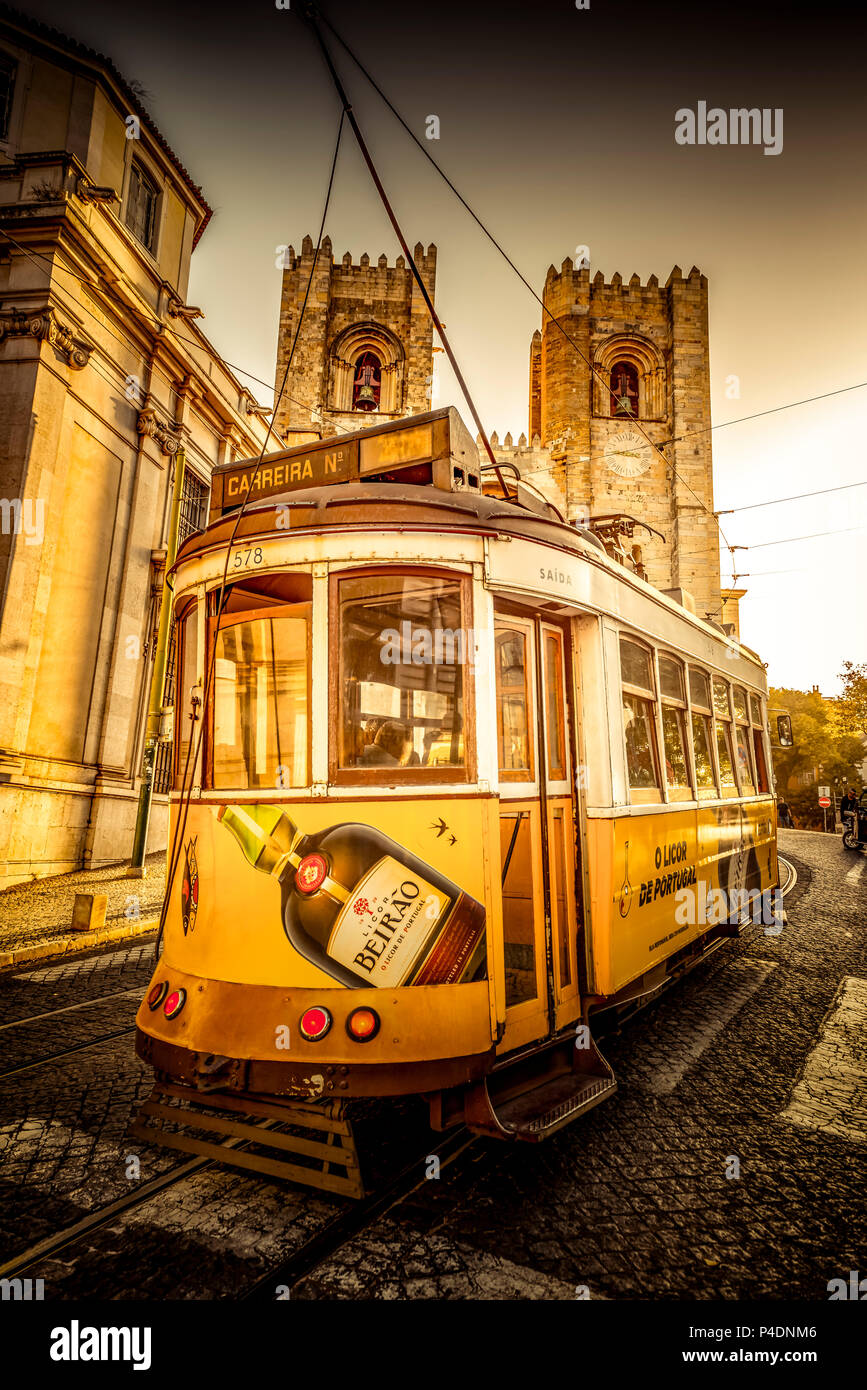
[(462, 781)]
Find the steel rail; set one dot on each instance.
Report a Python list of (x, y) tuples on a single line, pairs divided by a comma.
[(70, 1051), (67, 1008), (348, 1224)]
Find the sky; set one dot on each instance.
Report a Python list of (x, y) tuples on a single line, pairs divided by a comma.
[(558, 126)]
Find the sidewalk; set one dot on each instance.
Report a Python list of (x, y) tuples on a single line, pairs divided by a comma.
[(36, 917)]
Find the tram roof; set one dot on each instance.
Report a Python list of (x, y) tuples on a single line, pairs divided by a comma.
[(421, 472)]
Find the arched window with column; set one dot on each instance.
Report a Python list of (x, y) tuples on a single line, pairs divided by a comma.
[(629, 378), (366, 366)]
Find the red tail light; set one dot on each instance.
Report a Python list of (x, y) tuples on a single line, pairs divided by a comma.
[(362, 1024), (174, 1003), (158, 994), (314, 1023)]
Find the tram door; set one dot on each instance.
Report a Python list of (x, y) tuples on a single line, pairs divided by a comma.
[(537, 827)]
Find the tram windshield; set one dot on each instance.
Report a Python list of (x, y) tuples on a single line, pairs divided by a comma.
[(402, 650)]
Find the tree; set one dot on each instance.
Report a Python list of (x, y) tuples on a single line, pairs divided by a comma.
[(852, 704), (822, 747)]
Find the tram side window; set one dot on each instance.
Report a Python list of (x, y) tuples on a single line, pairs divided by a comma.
[(261, 727), (702, 732), (639, 721), (762, 782), (742, 742), (514, 732), (673, 695), (554, 718), (722, 717), (401, 660)]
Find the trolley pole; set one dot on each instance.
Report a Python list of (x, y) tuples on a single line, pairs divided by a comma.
[(158, 680)]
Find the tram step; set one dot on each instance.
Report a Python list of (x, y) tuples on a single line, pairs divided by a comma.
[(543, 1111), (331, 1163), (540, 1093)]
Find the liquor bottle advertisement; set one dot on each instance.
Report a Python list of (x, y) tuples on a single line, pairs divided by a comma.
[(346, 903)]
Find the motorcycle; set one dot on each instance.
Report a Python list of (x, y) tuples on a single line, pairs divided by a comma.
[(855, 828)]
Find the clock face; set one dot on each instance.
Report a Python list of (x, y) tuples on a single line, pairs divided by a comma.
[(628, 454)]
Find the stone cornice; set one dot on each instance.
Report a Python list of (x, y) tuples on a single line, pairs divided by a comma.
[(44, 325)]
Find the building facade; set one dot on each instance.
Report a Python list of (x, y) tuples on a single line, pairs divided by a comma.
[(104, 375)]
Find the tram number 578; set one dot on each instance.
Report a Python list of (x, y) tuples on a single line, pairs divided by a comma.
[(243, 558)]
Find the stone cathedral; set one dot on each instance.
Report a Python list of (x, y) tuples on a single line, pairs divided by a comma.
[(606, 354)]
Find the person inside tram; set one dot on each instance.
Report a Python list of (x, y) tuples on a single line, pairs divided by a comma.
[(368, 740), (389, 746)]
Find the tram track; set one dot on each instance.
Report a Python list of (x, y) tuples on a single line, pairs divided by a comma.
[(315, 1251), (347, 1224), (68, 1052), (68, 1008)]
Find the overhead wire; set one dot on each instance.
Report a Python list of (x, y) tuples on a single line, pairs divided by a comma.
[(631, 416), (185, 794), (628, 414), (161, 325)]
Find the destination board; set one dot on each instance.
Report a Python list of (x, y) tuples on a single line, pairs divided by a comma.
[(318, 467), (439, 438)]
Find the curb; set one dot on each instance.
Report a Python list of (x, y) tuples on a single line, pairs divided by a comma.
[(70, 945)]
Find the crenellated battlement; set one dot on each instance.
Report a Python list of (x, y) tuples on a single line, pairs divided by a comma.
[(571, 286), (426, 261)]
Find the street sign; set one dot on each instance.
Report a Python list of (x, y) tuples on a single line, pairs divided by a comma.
[(825, 801), (825, 791)]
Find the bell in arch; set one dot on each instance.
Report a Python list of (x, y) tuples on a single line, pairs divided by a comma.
[(368, 375)]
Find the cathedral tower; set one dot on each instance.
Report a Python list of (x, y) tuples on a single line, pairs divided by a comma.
[(648, 347), (364, 353)]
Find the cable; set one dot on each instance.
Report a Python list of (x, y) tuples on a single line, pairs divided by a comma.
[(798, 496), (773, 410), (789, 540), (630, 415), (310, 15), (185, 794)]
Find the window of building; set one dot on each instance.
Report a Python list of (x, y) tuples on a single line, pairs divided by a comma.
[(367, 384), (401, 658), (624, 389), (743, 752), (514, 729), (141, 206), (702, 732), (673, 696), (8, 69), (723, 720), (762, 782), (639, 721), (261, 697), (194, 497)]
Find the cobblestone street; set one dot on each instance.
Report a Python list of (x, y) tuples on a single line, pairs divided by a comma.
[(729, 1163)]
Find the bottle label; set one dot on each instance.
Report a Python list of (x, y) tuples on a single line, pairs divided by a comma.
[(386, 923)]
